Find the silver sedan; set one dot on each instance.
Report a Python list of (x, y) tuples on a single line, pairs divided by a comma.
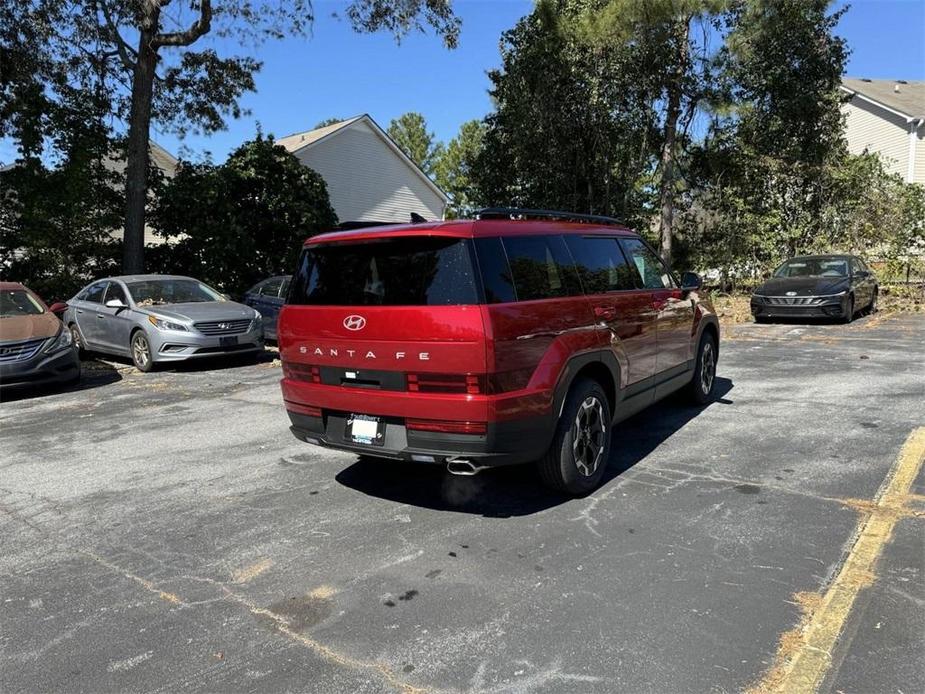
[(161, 318)]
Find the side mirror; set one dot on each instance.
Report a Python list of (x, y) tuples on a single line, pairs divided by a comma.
[(116, 303), (863, 274), (691, 282), (58, 308)]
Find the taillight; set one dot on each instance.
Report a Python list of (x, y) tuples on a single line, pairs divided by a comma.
[(301, 372), (445, 427), (470, 384), (299, 408)]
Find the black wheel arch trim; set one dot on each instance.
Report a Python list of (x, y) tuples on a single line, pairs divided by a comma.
[(573, 367)]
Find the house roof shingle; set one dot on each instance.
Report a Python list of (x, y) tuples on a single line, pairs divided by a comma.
[(909, 100), (297, 141)]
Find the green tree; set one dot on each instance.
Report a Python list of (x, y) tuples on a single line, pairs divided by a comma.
[(236, 223), (679, 71), (409, 131), (149, 47), (326, 122), (770, 173), (58, 210), (455, 169), (574, 124)]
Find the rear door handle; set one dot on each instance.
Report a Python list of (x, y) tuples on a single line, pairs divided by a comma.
[(605, 312)]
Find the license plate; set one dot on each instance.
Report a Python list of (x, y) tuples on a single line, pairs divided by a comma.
[(366, 430), (227, 341)]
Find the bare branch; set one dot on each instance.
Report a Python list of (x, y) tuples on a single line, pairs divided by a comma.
[(184, 38), (122, 47)]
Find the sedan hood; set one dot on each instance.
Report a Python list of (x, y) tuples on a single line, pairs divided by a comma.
[(201, 311), (803, 286), (19, 328)]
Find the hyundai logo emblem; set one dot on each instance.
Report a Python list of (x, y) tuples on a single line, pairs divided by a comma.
[(791, 293), (223, 326), (354, 322)]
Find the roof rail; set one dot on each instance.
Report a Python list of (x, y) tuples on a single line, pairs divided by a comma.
[(520, 213)]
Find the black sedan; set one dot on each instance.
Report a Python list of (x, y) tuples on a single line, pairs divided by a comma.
[(817, 286)]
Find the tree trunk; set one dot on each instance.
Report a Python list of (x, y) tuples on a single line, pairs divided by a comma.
[(137, 153), (668, 156)]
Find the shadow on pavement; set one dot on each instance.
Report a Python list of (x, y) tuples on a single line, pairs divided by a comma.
[(516, 490), (93, 374), (217, 363)]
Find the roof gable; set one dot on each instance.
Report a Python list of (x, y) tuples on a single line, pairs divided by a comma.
[(304, 140), (908, 101)]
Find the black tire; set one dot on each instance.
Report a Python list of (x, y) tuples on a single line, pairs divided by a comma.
[(139, 347), (577, 458), (762, 319), (703, 382), (849, 311), (78, 340)]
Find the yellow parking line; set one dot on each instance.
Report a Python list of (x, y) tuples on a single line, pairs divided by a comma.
[(805, 653)]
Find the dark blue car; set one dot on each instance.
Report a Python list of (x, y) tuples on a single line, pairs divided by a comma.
[(268, 297)]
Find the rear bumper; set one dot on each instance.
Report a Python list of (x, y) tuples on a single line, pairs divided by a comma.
[(59, 367), (503, 443)]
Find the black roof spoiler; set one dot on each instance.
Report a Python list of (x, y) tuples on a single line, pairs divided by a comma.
[(350, 226)]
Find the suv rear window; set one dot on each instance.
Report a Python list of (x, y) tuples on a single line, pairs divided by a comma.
[(407, 271)]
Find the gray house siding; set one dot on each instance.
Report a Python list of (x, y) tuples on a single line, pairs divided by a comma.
[(368, 180)]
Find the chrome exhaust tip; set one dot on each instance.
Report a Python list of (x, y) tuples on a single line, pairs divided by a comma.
[(462, 467)]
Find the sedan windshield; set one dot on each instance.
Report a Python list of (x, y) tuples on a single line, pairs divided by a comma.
[(171, 291), (813, 267), (17, 302)]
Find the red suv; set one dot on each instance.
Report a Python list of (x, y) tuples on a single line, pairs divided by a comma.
[(518, 336)]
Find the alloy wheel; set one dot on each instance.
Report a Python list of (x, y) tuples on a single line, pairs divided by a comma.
[(141, 351), (707, 368), (588, 433)]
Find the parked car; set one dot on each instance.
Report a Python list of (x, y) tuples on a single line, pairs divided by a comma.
[(35, 347), (161, 318), (817, 286), (268, 297), (519, 336)]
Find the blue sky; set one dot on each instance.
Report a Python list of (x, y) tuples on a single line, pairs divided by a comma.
[(340, 73)]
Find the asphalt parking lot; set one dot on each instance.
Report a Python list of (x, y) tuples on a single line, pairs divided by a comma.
[(165, 532)]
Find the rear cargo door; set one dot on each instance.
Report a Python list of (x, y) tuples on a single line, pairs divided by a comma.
[(376, 313)]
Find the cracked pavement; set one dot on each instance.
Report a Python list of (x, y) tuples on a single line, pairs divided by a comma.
[(165, 532)]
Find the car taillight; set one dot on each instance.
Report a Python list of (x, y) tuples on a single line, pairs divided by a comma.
[(445, 427), (299, 408), (470, 384), (302, 372)]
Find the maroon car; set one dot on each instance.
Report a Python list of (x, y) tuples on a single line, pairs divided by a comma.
[(35, 347), (521, 335)]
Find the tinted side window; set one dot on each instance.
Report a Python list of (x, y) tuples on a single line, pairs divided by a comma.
[(650, 270), (271, 287), (600, 264), (541, 267), (496, 274), (115, 291), (95, 293)]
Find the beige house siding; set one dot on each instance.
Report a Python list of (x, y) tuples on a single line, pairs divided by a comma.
[(869, 127), (368, 180)]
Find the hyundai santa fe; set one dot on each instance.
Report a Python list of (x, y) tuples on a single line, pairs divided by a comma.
[(518, 336)]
